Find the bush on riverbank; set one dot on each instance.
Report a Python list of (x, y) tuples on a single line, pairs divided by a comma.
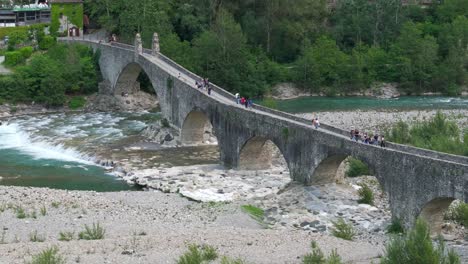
[(77, 102), (356, 168), (417, 247), (438, 134), (317, 257)]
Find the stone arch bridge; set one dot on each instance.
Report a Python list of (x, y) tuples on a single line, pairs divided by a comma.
[(418, 182)]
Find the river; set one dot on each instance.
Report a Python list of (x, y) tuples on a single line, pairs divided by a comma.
[(58, 150)]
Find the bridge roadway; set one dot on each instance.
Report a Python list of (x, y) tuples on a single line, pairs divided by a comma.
[(418, 182)]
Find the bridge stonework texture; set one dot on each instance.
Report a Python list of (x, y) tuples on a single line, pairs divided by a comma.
[(418, 182)]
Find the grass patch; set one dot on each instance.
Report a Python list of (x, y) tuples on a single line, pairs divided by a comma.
[(66, 236), (396, 227), (317, 257), (366, 196), (417, 247), (95, 232), (43, 210), (343, 230), (34, 237), (20, 213), (253, 211), (48, 256), (77, 102), (356, 168), (227, 260), (55, 204), (197, 255)]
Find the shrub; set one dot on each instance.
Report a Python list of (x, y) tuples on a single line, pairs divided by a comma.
[(26, 52), (460, 213), (46, 43), (48, 256), (34, 237), (417, 247), (396, 227), (43, 210), (317, 257), (366, 196), (343, 230), (77, 102), (95, 232), (198, 255), (254, 212), (20, 213), (226, 260), (66, 236), (13, 58), (270, 103), (356, 168), (165, 123)]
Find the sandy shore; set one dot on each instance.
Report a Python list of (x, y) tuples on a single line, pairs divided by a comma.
[(150, 227)]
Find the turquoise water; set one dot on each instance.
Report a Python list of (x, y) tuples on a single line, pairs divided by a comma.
[(20, 169), (55, 150), (314, 104)]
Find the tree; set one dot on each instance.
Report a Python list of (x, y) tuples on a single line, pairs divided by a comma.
[(322, 64)]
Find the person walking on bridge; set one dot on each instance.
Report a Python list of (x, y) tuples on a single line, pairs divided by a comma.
[(382, 141), (237, 98)]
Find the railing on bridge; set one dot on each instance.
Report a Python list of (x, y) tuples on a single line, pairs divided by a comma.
[(224, 93)]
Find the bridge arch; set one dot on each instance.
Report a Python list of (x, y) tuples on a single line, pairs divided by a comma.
[(259, 153), (127, 80), (433, 212), (327, 169), (197, 128)]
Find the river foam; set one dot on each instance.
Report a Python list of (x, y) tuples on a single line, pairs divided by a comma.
[(13, 137)]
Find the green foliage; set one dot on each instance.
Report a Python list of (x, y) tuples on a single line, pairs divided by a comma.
[(437, 133), (165, 123), (396, 227), (95, 232), (417, 247), (34, 237), (26, 52), (66, 236), (198, 255), (74, 13), (253, 211), (366, 196), (356, 168), (47, 42), (20, 213), (226, 260), (270, 103), (48, 256), (46, 78), (43, 210), (285, 132), (249, 46), (317, 257), (460, 213), (13, 58), (77, 102), (343, 230)]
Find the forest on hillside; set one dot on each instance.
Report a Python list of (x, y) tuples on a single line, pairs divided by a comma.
[(250, 45)]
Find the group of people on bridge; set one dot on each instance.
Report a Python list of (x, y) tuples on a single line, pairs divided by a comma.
[(245, 101), (203, 85), (366, 138)]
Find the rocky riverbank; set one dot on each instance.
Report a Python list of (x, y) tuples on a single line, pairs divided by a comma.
[(149, 227)]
